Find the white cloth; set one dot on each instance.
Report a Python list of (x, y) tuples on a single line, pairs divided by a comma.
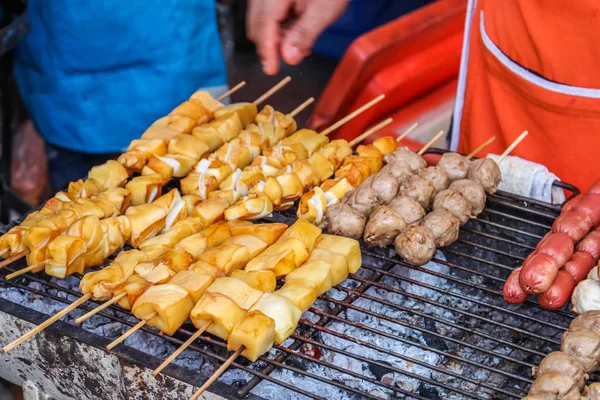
[(528, 179)]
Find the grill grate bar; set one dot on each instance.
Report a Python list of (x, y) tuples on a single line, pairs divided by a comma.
[(500, 226), (482, 247), (490, 236), (515, 218)]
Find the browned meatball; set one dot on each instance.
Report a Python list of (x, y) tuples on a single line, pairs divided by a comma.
[(386, 186), (364, 200), (593, 391), (416, 245), (455, 165), (453, 202), (409, 209), (383, 226), (343, 220), (443, 225), (587, 320), (472, 191), (486, 172), (420, 189), (437, 176), (415, 161), (554, 385), (584, 346), (563, 363), (399, 169)]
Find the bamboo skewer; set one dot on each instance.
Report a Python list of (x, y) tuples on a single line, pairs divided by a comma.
[(47, 323), (407, 132), (131, 331), (430, 143), (232, 90), (481, 147), (14, 258), (369, 132), (25, 270), (181, 348), (272, 91), (101, 307), (352, 115), (512, 146), (217, 373), (301, 107)]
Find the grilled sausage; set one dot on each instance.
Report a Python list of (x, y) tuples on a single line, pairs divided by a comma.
[(595, 189), (576, 224), (512, 291), (590, 204), (416, 245), (538, 273), (438, 176), (559, 292), (583, 345), (579, 265), (571, 204), (558, 246), (590, 244), (455, 165)]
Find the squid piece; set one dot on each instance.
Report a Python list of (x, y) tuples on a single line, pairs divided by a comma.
[(347, 247), (176, 234), (188, 146), (208, 101), (246, 112), (302, 294), (145, 188), (174, 206), (147, 220), (226, 257), (171, 303), (256, 332), (305, 231), (194, 283), (280, 258), (282, 311), (134, 286), (224, 127), (250, 209), (311, 140), (337, 262), (139, 151), (264, 281), (269, 233), (316, 274), (87, 188), (110, 175), (254, 244)]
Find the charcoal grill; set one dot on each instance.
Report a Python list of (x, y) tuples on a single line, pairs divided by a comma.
[(390, 331)]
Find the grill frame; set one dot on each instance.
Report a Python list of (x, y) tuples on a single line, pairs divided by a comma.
[(489, 278)]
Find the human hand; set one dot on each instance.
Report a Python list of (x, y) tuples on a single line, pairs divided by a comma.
[(288, 28)]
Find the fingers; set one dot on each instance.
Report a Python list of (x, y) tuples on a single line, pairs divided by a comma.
[(263, 28), (317, 16)]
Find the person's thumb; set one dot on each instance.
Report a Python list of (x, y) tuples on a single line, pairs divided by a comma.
[(302, 35)]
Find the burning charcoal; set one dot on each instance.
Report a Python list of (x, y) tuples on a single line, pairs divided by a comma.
[(379, 371)]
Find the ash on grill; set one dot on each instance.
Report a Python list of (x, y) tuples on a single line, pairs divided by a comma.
[(437, 331)]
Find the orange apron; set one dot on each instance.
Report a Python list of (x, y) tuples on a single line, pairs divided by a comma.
[(533, 65)]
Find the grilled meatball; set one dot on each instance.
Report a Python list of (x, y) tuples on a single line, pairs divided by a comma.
[(583, 345), (486, 172), (455, 165), (592, 392), (364, 200), (409, 209), (563, 363), (343, 220), (554, 385), (386, 186), (416, 245), (438, 176), (415, 161), (383, 226), (589, 320), (444, 227), (472, 191), (453, 202), (399, 169), (420, 189)]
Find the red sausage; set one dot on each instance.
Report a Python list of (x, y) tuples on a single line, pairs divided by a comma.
[(590, 204), (571, 204), (513, 293), (558, 293), (538, 274), (558, 246), (580, 264), (591, 244), (543, 239), (576, 224), (595, 189)]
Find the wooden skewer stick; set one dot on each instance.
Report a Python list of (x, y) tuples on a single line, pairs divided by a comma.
[(481, 147), (512, 146), (217, 373), (301, 107), (47, 323), (25, 270), (352, 115), (369, 132), (131, 331), (181, 348), (101, 307), (430, 143), (14, 258), (406, 132), (272, 91), (232, 90)]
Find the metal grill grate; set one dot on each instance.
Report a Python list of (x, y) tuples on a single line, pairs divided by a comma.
[(387, 316)]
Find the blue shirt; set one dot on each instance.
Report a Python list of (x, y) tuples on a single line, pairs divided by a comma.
[(94, 74)]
